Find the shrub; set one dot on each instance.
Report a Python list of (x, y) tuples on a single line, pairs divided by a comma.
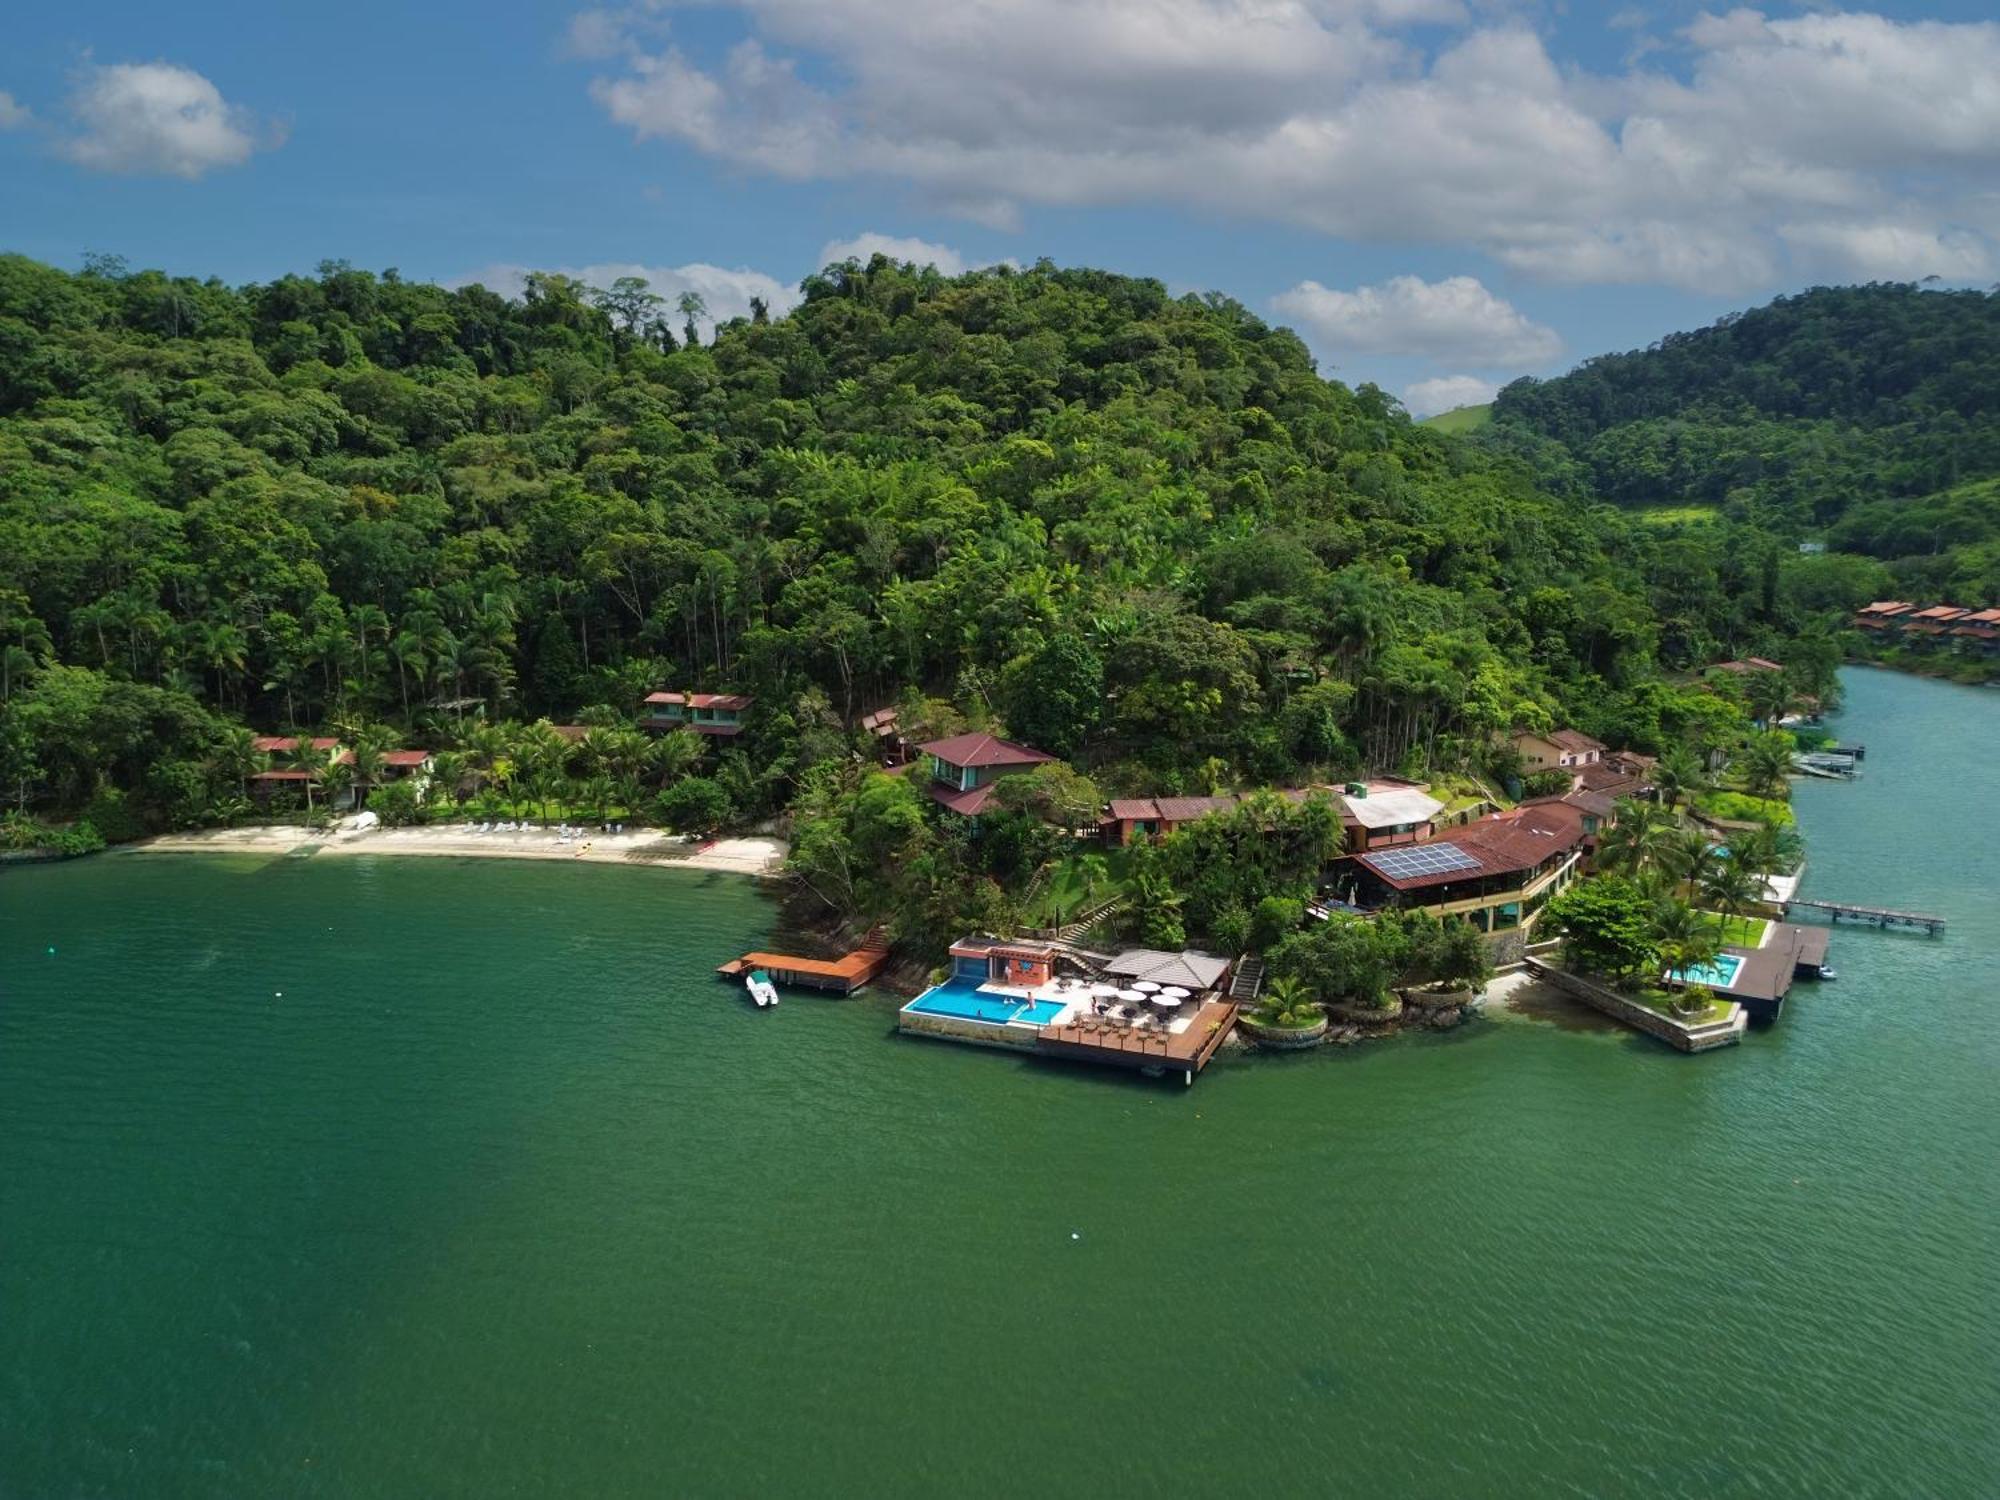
[(1276, 918), (1546, 783), (694, 804)]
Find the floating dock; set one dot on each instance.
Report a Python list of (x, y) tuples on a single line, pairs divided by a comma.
[(1872, 916), (846, 975)]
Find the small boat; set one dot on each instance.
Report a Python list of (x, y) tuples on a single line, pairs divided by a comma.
[(1826, 973), (758, 983)]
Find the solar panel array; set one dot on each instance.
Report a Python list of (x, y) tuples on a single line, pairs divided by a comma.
[(1421, 859)]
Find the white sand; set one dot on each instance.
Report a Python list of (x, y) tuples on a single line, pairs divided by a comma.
[(746, 856)]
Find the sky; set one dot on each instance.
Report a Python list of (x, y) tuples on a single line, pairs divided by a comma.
[(1439, 195)]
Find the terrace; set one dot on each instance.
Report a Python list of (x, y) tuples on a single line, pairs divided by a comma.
[(1002, 993)]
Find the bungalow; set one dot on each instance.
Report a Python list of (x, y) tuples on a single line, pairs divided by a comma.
[(1383, 813), (1979, 631), (884, 727), (1497, 873), (1557, 749), (704, 713), (1132, 819), (964, 767)]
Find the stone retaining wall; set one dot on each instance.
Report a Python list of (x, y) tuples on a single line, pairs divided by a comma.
[(1682, 1038), (958, 1029), (1283, 1038)]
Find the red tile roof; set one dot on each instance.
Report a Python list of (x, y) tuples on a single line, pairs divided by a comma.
[(1887, 607), (666, 697), (405, 757), (1940, 612), (1573, 739), (282, 744), (984, 750), (970, 803), (1503, 844), (718, 700)]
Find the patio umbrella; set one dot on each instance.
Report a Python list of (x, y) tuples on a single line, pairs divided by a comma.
[(1166, 1001), (1145, 986), (1104, 991), (1131, 994), (1175, 992)]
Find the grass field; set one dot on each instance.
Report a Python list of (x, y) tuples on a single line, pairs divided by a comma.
[(1742, 932), (1460, 419), (1676, 515), (1062, 896)]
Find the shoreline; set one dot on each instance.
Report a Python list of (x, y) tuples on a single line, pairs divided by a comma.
[(760, 858)]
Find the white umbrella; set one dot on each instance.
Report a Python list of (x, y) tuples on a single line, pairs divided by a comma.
[(1145, 986), (1104, 991), (1133, 994), (1175, 992), (1166, 1001)]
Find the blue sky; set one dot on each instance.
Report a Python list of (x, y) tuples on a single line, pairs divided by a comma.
[(1439, 194)]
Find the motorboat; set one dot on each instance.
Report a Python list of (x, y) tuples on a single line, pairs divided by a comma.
[(758, 983), (1826, 973)]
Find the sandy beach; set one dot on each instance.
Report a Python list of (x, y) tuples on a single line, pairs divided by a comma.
[(736, 856)]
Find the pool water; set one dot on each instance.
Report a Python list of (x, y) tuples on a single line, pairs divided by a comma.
[(1720, 975), (963, 999)]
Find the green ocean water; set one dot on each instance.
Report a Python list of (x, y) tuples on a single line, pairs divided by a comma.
[(505, 1194)]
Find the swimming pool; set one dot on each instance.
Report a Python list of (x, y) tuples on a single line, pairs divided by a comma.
[(1720, 975), (962, 998)]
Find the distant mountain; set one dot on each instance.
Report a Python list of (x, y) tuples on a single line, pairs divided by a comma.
[(1864, 416)]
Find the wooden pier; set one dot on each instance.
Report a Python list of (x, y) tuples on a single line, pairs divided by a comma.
[(1871, 916), (843, 974)]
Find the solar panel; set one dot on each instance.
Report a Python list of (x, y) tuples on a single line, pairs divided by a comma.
[(1422, 859)]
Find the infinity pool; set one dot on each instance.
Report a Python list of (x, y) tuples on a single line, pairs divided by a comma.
[(963, 999), (1720, 975)]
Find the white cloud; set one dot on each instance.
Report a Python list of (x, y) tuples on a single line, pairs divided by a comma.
[(726, 292), (157, 119), (13, 113), (869, 243), (1890, 252), (1426, 398), (1330, 114), (1455, 321)]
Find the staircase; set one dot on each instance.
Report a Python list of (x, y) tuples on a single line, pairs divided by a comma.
[(1070, 932), (1248, 980)]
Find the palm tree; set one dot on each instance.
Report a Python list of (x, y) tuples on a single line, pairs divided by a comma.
[(1634, 841), (1286, 1002), (1768, 696), (367, 619), (1679, 777), (1764, 762), (676, 755), (237, 756), (1684, 854), (1092, 871), (1688, 942), (1731, 888)]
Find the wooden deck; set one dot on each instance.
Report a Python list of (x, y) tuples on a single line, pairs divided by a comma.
[(1186, 1052), (843, 974)]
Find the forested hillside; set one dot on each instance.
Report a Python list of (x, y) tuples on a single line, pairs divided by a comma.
[(1861, 416), (1136, 529)]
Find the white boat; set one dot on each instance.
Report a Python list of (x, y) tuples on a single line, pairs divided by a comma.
[(758, 983)]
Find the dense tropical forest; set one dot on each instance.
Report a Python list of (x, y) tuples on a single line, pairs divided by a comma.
[(1865, 418), (1135, 529)]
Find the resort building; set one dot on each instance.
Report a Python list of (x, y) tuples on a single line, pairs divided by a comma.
[(1157, 1012), (1975, 631), (962, 769), (1373, 814), (704, 713), (1559, 749), (1132, 820), (1497, 873), (1384, 813)]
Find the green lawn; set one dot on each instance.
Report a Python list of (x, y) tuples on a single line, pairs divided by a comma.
[(1062, 897), (1741, 807), (1460, 419), (1662, 1002), (1742, 932)]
